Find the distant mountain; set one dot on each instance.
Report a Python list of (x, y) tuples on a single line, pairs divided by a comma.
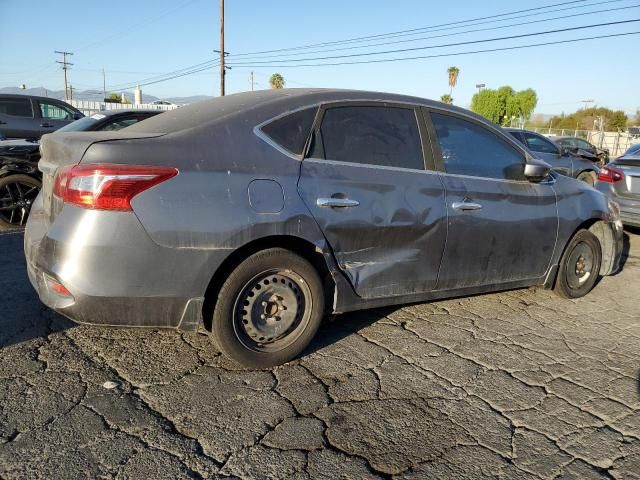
[(97, 96)]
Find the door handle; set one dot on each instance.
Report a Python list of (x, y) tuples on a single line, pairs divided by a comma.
[(3, 122), (463, 206), (336, 202), (46, 125)]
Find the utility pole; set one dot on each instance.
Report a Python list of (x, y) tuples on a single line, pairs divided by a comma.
[(222, 53), (65, 67), (251, 80), (70, 92), (104, 85)]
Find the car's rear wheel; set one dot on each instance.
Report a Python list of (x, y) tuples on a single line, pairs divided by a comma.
[(17, 194), (587, 177), (268, 309), (579, 266)]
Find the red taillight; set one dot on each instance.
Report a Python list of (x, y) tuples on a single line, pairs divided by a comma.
[(107, 187), (57, 287), (610, 175)]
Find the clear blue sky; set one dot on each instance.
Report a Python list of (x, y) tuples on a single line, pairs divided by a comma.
[(137, 39)]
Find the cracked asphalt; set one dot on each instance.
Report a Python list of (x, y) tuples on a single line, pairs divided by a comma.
[(520, 384)]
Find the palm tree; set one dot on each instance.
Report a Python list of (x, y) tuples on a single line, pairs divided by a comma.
[(446, 98), (276, 81), (453, 77)]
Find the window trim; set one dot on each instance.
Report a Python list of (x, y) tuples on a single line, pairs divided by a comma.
[(461, 116), (428, 164), (257, 131)]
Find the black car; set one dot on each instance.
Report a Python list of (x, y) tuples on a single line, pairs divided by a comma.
[(19, 176), (563, 161), (580, 146), (28, 116)]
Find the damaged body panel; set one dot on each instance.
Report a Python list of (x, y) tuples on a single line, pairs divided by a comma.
[(389, 198)]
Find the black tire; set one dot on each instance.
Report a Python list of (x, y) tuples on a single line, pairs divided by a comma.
[(579, 266), (588, 178), (268, 309), (17, 194)]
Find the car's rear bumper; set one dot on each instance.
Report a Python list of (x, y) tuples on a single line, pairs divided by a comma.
[(115, 274), (629, 205)]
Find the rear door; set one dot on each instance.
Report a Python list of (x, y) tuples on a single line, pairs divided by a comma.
[(381, 210), (501, 227), (17, 119)]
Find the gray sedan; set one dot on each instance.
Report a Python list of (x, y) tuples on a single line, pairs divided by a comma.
[(620, 181), (258, 213), (561, 161)]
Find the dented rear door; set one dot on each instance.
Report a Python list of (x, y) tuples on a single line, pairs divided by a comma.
[(381, 210)]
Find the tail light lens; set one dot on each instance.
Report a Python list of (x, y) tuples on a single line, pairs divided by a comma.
[(107, 187), (610, 175)]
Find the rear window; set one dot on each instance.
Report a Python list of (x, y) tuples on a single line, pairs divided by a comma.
[(18, 107), (291, 131)]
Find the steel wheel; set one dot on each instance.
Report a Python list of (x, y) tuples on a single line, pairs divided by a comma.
[(579, 266), (17, 194), (272, 310), (268, 309)]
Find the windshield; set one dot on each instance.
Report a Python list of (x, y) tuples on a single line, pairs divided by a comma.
[(81, 125)]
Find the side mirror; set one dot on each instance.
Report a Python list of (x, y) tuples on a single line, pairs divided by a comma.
[(565, 151), (536, 172), (77, 116)]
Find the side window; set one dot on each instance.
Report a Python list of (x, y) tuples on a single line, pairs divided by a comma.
[(291, 131), (55, 111), (119, 124), (583, 144), (516, 135), (385, 136), (540, 144), (18, 107), (469, 149)]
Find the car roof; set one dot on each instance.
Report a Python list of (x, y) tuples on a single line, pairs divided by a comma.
[(265, 104), (511, 129), (111, 113), (34, 97)]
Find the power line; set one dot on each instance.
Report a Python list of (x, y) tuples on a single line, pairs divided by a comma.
[(501, 49), (457, 44), (148, 81), (370, 37), (352, 47)]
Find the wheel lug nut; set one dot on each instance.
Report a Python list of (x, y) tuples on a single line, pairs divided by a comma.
[(263, 316), (264, 304)]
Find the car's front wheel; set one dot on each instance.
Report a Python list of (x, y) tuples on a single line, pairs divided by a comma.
[(268, 309), (579, 266)]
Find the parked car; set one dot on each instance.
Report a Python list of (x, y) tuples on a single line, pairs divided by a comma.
[(579, 146), (561, 161), (620, 181), (632, 150), (19, 162), (27, 116), (258, 213)]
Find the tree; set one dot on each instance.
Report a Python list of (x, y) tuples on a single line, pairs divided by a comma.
[(502, 105), (589, 119), (118, 97), (446, 98), (276, 81), (453, 78)]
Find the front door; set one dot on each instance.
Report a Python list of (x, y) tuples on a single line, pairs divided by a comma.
[(53, 116), (17, 119), (382, 212), (502, 228)]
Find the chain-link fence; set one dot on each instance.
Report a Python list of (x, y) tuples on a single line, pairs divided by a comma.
[(616, 142)]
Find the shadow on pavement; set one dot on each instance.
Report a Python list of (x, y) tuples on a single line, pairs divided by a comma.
[(22, 316)]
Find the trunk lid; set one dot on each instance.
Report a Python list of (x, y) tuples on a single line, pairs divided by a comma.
[(61, 149)]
